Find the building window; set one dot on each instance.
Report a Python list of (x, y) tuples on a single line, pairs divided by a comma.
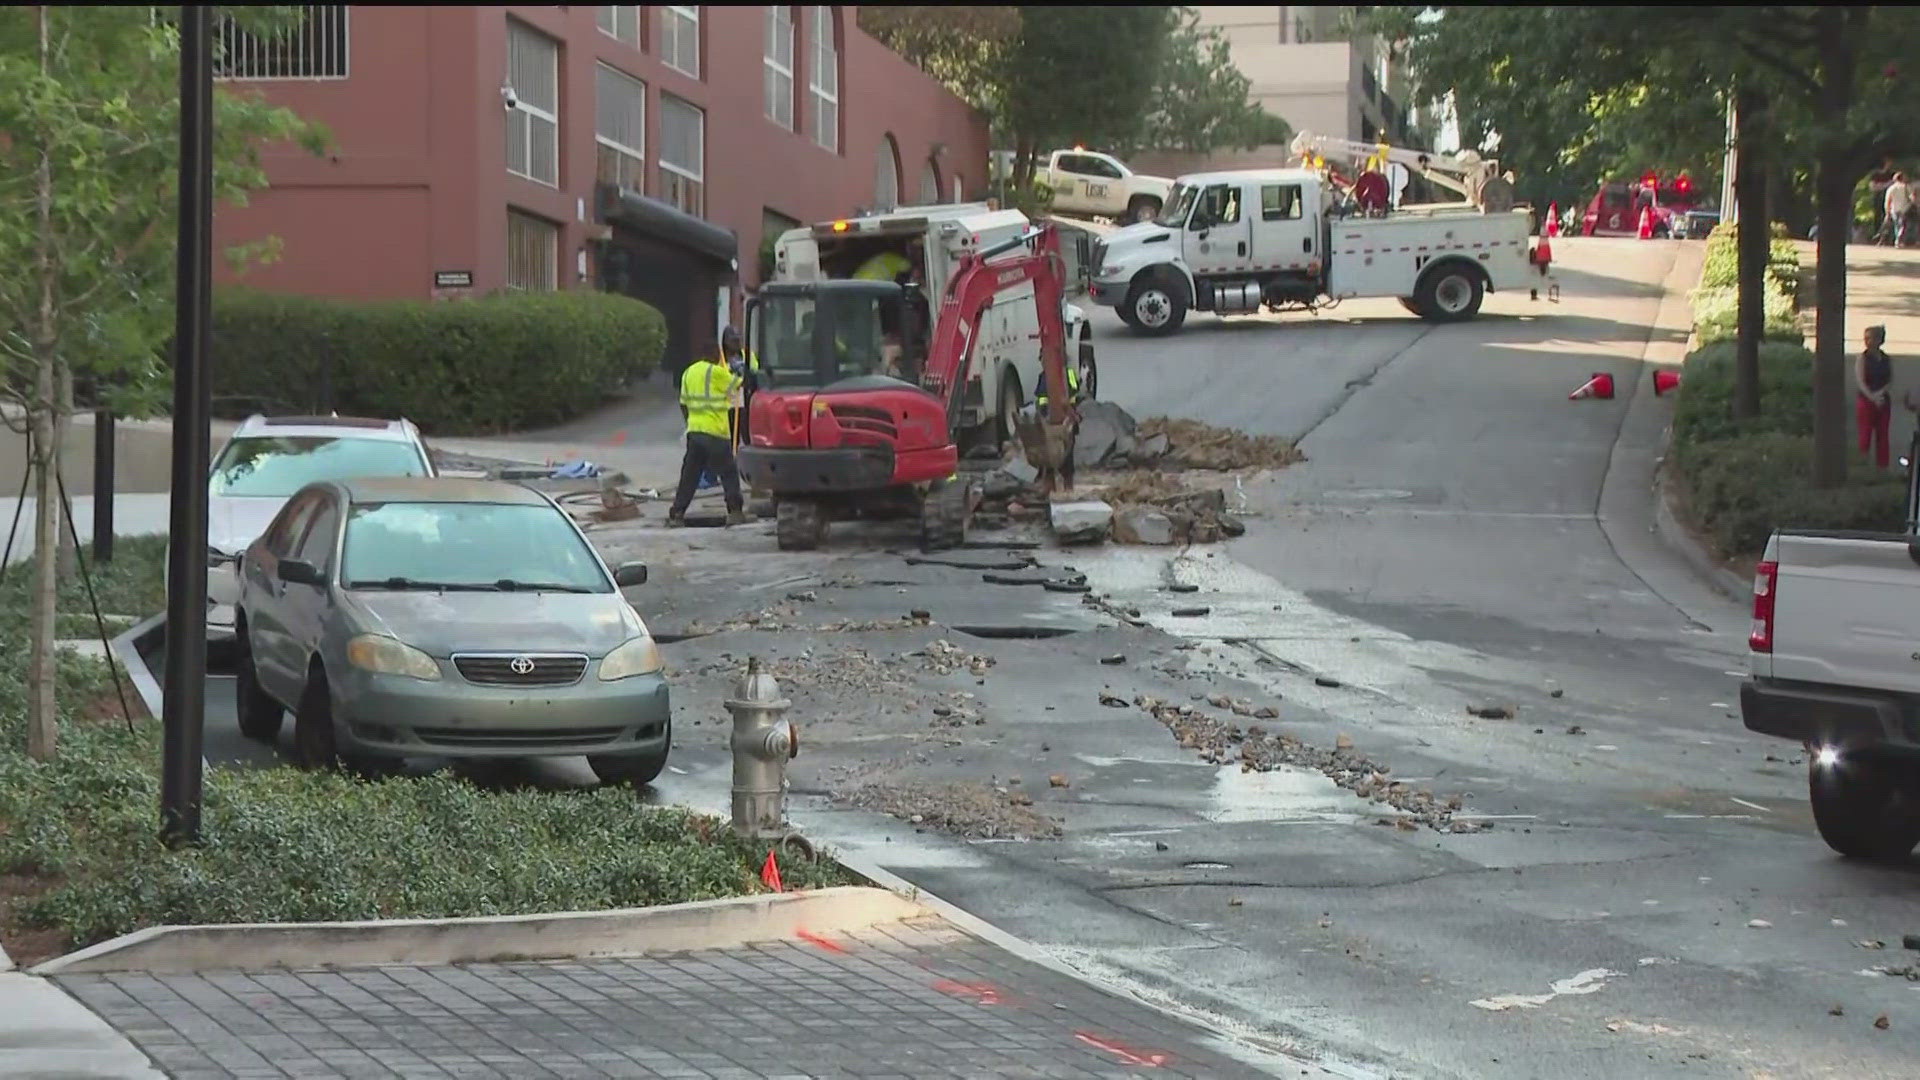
[(823, 77), (310, 44), (886, 175), (621, 21), (929, 185), (680, 39), (779, 66), (683, 155), (533, 123), (533, 253), (620, 128)]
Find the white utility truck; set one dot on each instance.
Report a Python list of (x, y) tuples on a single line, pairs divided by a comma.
[(1090, 184), (1238, 242), (1835, 666), (1006, 359)]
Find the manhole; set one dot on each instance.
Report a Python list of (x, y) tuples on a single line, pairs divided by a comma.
[(1202, 864)]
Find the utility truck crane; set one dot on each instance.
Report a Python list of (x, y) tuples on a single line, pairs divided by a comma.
[(1475, 179)]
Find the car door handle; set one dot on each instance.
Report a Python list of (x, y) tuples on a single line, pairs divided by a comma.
[(1243, 249), (1306, 245)]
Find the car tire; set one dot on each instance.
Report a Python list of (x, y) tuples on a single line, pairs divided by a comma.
[(1157, 307), (314, 747), (638, 770), (1011, 399), (1450, 293), (1407, 302), (1089, 369), (258, 713), (1862, 811)]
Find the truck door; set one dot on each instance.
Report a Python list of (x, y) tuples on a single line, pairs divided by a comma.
[(1286, 237), (1099, 182), (1219, 234), (1061, 173)]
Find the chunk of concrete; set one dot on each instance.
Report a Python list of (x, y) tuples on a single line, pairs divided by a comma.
[(1151, 449), (1143, 525), (1080, 522)]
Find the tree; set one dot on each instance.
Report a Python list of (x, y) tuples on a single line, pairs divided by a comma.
[(1202, 101), (1066, 85), (88, 169)]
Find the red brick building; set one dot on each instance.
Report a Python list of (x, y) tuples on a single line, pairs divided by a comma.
[(644, 150)]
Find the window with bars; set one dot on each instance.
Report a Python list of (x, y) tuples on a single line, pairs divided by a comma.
[(621, 21), (823, 81), (680, 39), (533, 253), (533, 124), (778, 68), (683, 154), (620, 127), (309, 43)]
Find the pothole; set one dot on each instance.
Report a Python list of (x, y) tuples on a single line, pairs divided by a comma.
[(1016, 633), (1203, 864)]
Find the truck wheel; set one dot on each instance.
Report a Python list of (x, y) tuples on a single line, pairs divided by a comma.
[(1861, 811), (1407, 302), (943, 515), (1157, 308), (1142, 208), (1450, 294), (1010, 402), (799, 524), (1089, 369)]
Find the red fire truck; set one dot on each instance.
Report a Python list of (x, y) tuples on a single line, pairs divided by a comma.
[(1615, 209)]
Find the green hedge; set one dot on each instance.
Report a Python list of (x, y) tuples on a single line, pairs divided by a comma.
[(1716, 303), (1744, 479), (497, 363)]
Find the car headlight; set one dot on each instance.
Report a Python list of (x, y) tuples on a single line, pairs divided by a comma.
[(637, 657), (389, 656), (1112, 271)]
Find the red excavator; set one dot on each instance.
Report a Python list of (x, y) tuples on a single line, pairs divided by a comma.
[(856, 411)]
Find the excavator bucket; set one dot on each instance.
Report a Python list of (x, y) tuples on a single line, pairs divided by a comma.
[(1048, 446)]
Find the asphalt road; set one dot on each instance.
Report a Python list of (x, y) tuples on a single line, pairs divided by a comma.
[(1460, 535)]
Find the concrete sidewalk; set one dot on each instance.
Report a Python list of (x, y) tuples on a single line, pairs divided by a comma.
[(144, 514), (1883, 289), (45, 1033)]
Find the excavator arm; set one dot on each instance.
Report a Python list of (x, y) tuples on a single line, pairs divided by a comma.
[(975, 284)]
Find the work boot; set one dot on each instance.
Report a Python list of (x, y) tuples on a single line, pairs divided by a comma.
[(675, 521), (737, 517)]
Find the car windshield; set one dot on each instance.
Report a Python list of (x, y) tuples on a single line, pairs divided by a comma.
[(784, 329), (1178, 203), (277, 466), (453, 545)]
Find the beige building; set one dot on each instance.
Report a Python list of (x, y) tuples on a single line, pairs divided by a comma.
[(1307, 69)]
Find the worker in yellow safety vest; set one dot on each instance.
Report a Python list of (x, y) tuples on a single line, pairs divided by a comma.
[(709, 392), (1073, 387), (745, 367), (886, 266)]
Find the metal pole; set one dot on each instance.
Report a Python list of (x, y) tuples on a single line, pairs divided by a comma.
[(102, 485), (183, 711)]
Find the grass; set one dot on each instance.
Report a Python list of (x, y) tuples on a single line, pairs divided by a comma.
[(1738, 481), (80, 859)]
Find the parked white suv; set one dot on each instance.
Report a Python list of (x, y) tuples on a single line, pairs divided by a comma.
[(267, 460)]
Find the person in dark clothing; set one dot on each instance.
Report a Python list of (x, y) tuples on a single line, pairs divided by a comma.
[(1873, 404)]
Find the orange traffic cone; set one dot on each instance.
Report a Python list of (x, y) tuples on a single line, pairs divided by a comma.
[(770, 873), (1664, 381), (1600, 386), (1646, 223), (1553, 220), (1542, 254)]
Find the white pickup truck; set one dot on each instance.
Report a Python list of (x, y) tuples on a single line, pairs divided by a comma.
[(1090, 184), (1835, 662), (1235, 243)]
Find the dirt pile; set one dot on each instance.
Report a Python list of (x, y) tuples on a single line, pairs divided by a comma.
[(1194, 445), (973, 810)]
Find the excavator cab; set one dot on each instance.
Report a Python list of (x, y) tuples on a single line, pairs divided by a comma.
[(817, 335)]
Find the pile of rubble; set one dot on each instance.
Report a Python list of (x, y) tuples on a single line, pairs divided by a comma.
[(1130, 477), (972, 810), (1221, 742)]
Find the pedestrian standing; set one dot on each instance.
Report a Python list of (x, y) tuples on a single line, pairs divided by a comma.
[(1873, 405), (709, 391)]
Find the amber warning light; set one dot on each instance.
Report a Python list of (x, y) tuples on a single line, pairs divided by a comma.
[(839, 226)]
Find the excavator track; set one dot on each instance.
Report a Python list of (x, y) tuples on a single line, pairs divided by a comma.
[(944, 511), (799, 524)]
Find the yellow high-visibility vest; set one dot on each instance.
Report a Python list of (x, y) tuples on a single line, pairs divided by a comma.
[(707, 392), (886, 266)]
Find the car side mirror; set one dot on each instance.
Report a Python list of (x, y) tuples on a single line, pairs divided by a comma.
[(297, 572), (630, 575)]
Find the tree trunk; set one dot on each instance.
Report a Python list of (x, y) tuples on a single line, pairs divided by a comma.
[(1834, 179), (1754, 241), (41, 685)]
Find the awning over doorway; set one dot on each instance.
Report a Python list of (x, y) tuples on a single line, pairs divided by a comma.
[(664, 221)]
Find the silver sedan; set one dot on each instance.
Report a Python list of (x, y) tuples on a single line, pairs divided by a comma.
[(445, 618)]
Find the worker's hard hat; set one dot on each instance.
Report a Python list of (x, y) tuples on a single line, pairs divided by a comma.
[(729, 338)]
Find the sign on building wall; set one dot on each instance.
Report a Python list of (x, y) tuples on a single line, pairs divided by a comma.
[(453, 279)]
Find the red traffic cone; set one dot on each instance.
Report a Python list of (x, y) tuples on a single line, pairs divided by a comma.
[(1664, 381), (1553, 220), (1600, 386), (1646, 223), (770, 873)]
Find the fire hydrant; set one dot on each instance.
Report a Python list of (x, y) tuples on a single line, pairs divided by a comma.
[(762, 745)]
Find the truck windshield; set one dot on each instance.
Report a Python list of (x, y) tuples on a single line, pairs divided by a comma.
[(785, 333), (1178, 204)]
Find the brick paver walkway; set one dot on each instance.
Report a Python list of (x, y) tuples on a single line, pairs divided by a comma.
[(912, 1000)]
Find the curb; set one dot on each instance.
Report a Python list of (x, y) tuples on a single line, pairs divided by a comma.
[(705, 924), (130, 649), (1675, 536)]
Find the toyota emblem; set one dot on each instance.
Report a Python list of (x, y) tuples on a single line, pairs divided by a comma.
[(521, 665)]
